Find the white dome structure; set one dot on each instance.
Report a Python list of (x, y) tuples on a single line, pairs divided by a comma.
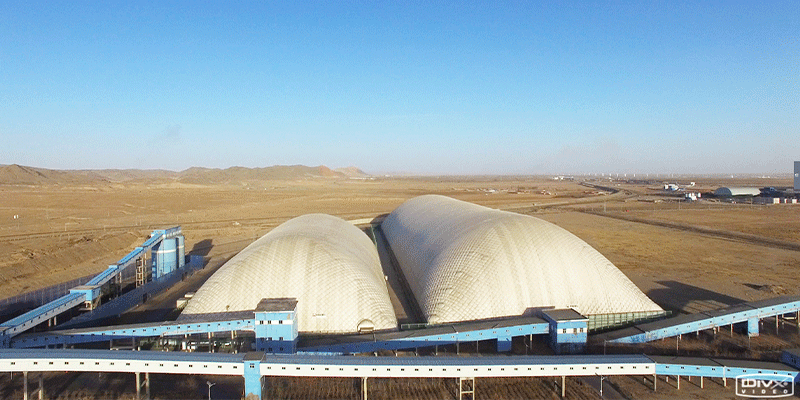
[(330, 266), (466, 262)]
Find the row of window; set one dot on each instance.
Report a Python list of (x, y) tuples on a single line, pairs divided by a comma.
[(280, 322), (715, 368), (179, 327), (127, 364), (389, 369)]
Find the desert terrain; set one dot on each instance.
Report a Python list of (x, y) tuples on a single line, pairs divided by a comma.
[(687, 257)]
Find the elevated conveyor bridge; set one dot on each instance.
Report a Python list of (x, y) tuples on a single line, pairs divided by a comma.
[(253, 366), (750, 313), (502, 330), (88, 294)]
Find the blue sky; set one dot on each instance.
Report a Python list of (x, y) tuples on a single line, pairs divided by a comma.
[(424, 87)]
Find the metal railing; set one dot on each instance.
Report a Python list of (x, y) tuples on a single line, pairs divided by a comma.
[(599, 322), (39, 297)]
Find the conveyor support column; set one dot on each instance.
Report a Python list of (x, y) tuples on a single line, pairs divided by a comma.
[(752, 326), (252, 375)]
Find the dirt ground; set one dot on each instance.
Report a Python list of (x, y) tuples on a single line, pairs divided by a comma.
[(64, 232)]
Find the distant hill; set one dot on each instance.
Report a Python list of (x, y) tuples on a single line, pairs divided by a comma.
[(126, 175), (21, 175), (234, 175), (352, 172)]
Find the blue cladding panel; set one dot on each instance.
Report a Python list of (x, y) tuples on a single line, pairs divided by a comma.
[(181, 255), (146, 330), (417, 339), (716, 318), (172, 232), (276, 332), (504, 344), (154, 238), (136, 253), (752, 326), (165, 259), (791, 357), (34, 317), (252, 380), (104, 276)]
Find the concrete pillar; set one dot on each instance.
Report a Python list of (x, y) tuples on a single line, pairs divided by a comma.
[(25, 385), (364, 388), (655, 380), (138, 385), (679, 382), (466, 388), (752, 326), (563, 386), (147, 384), (701, 382)]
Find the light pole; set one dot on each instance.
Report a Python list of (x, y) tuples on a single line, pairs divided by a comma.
[(602, 378), (210, 384)]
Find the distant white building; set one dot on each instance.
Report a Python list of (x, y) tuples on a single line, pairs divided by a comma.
[(736, 191), (796, 176), (692, 196)]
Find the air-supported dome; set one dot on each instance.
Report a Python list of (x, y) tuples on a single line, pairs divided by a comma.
[(466, 262), (330, 266)]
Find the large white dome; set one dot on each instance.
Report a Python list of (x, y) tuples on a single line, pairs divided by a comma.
[(329, 265), (465, 262)]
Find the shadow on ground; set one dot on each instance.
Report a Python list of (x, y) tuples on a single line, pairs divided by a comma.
[(678, 296)]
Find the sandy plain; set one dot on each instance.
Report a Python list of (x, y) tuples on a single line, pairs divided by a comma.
[(62, 232)]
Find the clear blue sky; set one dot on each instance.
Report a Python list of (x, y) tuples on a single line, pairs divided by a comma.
[(452, 88)]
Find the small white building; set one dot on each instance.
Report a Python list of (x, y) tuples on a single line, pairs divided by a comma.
[(692, 196)]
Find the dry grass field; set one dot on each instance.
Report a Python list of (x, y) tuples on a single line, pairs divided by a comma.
[(62, 232)]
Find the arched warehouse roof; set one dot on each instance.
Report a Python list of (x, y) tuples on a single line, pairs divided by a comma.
[(329, 265), (465, 262), (736, 191)]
